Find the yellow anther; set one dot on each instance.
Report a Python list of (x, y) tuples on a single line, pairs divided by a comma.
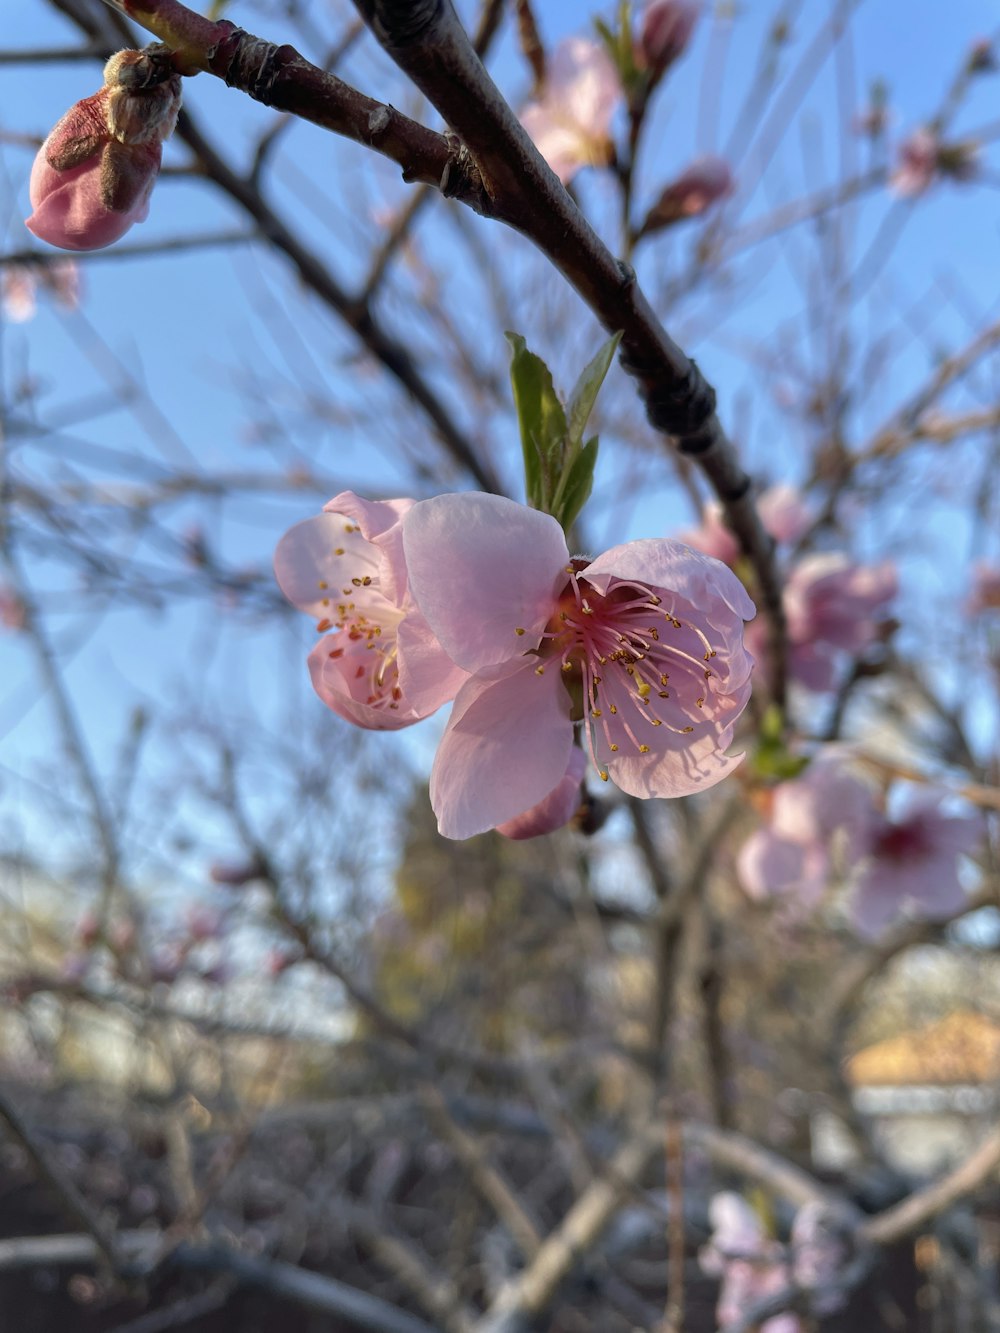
[(664, 678), (322, 584), (539, 671), (603, 774), (699, 703), (613, 707), (519, 630), (614, 747), (685, 731), (339, 550), (664, 694), (596, 712), (657, 722), (644, 749)]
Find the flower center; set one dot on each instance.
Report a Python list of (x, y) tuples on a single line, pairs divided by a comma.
[(368, 621), (629, 662)]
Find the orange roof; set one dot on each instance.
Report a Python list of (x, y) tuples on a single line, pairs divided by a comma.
[(962, 1048)]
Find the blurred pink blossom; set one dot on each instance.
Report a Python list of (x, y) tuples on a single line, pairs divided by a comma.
[(923, 158), (643, 644), (382, 668), (13, 612), (827, 811), (834, 607), (666, 30), (985, 594), (912, 865), (555, 810), (749, 1264), (94, 173), (783, 512), (918, 161), (571, 122), (18, 285), (704, 182)]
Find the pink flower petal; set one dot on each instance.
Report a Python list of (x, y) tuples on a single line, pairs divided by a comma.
[(481, 568), (556, 809), (427, 675), (505, 748), (662, 563), (317, 559)]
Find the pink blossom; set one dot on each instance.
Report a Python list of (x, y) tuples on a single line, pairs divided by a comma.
[(554, 810), (643, 644), (704, 182), (382, 668), (667, 26), (783, 512), (94, 173), (824, 812), (918, 164), (571, 122), (833, 606), (912, 865), (18, 285), (751, 1266), (985, 594), (13, 612)]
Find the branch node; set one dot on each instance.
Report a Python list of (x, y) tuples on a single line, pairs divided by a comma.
[(255, 64)]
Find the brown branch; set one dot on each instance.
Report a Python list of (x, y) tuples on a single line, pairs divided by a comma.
[(904, 1218)]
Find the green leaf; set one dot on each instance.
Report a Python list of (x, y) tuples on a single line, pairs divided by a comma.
[(586, 389), (577, 484), (542, 421)]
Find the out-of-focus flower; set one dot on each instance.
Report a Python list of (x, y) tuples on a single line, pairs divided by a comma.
[(912, 865), (985, 594), (783, 512), (204, 923), (382, 668), (923, 158), (643, 644), (749, 1264), (704, 182), (556, 809), (666, 29), (18, 286), (826, 812), (834, 606), (571, 122), (13, 612), (918, 161), (94, 173)]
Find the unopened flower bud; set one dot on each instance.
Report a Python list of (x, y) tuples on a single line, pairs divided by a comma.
[(982, 57), (705, 182), (94, 174), (667, 26)]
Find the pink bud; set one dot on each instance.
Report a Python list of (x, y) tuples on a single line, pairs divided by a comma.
[(705, 182), (94, 174), (235, 875), (667, 26), (918, 164)]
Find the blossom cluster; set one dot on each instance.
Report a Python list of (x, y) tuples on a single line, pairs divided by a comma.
[(830, 822), (475, 598), (752, 1266)]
